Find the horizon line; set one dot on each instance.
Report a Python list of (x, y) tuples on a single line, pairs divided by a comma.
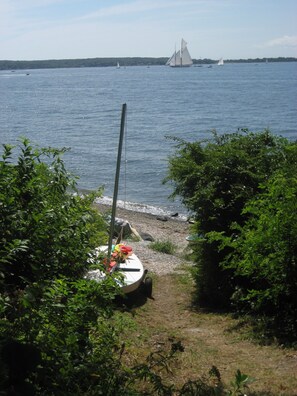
[(142, 57)]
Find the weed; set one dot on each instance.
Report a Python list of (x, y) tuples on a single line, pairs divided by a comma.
[(166, 247)]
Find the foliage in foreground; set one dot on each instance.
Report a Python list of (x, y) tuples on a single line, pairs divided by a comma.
[(264, 253), (48, 312), (58, 334), (241, 188), (46, 229)]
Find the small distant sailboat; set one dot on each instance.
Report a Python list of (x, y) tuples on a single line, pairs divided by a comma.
[(181, 58), (118, 65), (221, 62)]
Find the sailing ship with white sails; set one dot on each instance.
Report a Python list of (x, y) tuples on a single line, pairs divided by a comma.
[(221, 62), (181, 58)]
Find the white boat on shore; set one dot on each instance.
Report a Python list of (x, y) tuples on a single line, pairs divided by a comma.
[(132, 271), (134, 274), (119, 257)]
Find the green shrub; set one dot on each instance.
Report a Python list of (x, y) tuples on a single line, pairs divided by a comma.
[(46, 230), (215, 179), (49, 314), (264, 252)]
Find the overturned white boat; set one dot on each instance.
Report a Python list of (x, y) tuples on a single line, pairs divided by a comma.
[(133, 275)]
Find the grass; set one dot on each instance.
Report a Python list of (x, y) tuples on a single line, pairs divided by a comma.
[(209, 340), (166, 247)]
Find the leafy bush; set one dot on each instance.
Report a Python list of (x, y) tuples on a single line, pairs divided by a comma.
[(264, 252), (50, 339), (215, 179), (45, 229)]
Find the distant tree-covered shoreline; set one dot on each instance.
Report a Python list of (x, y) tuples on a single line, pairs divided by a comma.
[(107, 62)]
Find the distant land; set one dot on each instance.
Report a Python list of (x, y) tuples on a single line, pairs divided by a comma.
[(105, 62)]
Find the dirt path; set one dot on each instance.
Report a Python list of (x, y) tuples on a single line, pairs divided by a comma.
[(209, 339)]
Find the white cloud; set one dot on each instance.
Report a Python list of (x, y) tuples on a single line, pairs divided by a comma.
[(141, 6), (284, 41)]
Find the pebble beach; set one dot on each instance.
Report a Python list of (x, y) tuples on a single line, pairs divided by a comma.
[(172, 229)]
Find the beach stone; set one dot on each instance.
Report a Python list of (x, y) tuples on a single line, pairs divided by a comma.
[(122, 226), (162, 218), (147, 237)]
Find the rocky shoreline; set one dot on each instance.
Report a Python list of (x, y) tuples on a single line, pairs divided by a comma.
[(171, 229)]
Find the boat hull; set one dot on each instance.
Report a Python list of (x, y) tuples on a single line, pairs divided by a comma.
[(131, 269), (180, 66), (133, 272)]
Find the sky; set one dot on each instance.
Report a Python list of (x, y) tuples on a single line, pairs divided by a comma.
[(71, 29)]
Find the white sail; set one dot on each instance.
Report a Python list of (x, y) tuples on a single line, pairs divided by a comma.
[(177, 59), (171, 60), (186, 58), (221, 62), (168, 62), (183, 44), (181, 58)]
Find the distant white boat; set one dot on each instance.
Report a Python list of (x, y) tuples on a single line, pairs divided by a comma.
[(221, 62), (181, 58), (118, 65)]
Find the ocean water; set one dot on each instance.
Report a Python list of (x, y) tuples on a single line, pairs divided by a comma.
[(81, 109)]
